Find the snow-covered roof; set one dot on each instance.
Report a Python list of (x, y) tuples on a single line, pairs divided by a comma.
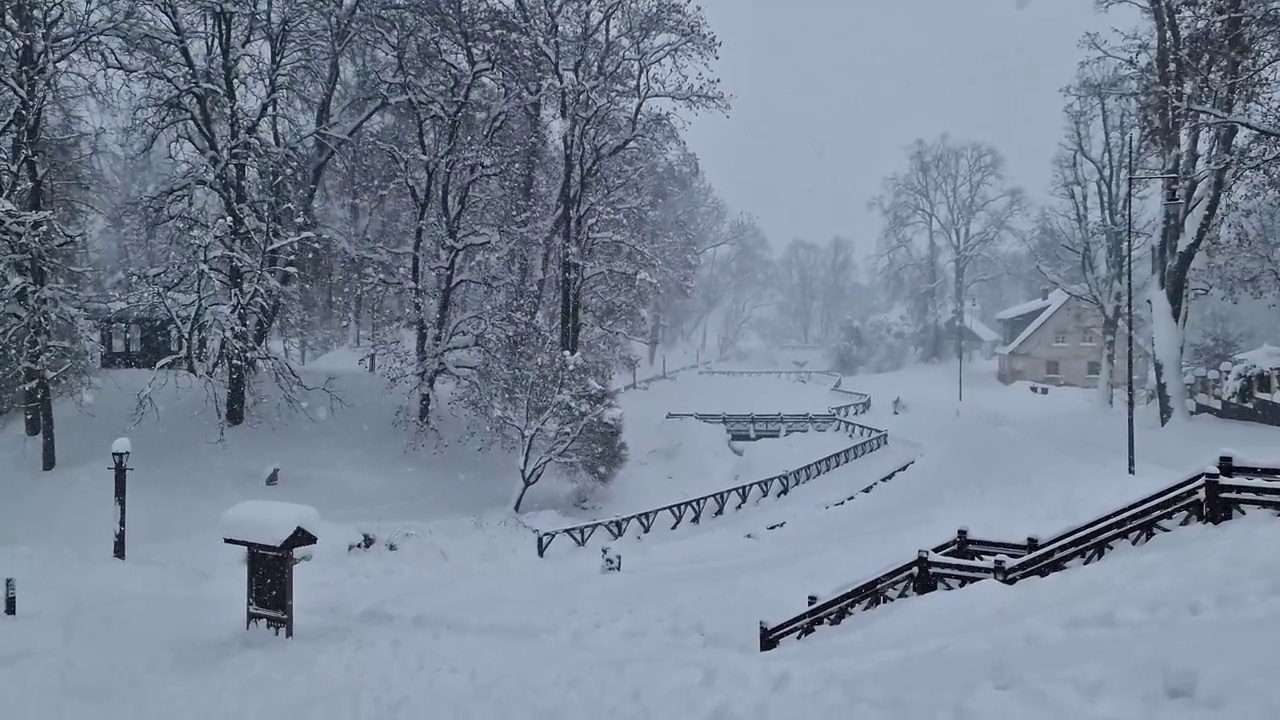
[(1031, 306), (268, 522), (1266, 357), (980, 329), (1046, 307)]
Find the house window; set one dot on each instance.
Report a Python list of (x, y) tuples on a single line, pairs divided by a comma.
[(1094, 369), (1059, 338), (1051, 368), (135, 338), (117, 338), (1088, 338)]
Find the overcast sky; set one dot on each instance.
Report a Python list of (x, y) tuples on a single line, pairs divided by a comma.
[(827, 93)]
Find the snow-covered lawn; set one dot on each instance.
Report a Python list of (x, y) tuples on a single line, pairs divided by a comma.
[(465, 622)]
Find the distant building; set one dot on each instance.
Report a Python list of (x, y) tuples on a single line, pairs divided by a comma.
[(1056, 339), (976, 336), (131, 337)]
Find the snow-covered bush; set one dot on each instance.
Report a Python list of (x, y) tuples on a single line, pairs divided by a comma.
[(550, 408), (882, 343)]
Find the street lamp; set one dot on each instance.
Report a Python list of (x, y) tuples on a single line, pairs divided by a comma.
[(1172, 200), (120, 450)]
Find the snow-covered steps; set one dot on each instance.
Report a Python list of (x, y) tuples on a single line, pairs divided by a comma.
[(1213, 496)]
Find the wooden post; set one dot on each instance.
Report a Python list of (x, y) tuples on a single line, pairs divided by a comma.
[(1033, 544), (1226, 466), (767, 642), (1213, 510), (664, 365), (924, 582), (962, 543), (999, 571)]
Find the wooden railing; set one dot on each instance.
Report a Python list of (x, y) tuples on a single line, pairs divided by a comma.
[(693, 509), (1213, 496), (869, 439), (757, 426), (644, 383)]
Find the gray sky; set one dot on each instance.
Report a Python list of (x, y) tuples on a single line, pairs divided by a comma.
[(827, 93)]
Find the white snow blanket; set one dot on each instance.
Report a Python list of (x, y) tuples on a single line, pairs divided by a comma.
[(268, 522)]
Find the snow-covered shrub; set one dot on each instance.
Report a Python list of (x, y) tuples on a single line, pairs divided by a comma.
[(882, 343), (550, 407), (602, 451)]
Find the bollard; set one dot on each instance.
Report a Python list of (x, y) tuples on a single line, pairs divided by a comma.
[(10, 597)]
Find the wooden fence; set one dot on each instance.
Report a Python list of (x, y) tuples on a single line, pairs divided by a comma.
[(869, 439), (1253, 398), (644, 383), (1213, 496)]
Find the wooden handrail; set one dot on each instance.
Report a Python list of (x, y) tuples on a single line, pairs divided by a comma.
[(1211, 496)]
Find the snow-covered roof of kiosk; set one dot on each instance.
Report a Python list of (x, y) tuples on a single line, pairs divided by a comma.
[(1266, 357), (268, 522)]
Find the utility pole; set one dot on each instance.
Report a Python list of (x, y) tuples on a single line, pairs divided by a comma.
[(1128, 261), (1168, 202)]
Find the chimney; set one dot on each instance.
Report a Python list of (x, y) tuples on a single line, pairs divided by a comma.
[(1044, 292)]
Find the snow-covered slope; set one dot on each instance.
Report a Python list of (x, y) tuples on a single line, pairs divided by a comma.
[(466, 622)]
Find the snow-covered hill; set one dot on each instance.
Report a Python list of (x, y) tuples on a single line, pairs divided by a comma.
[(466, 622)]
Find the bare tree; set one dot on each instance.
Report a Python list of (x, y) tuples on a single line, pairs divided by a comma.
[(1080, 244), (616, 73), (46, 48), (455, 108), (946, 217), (248, 95)]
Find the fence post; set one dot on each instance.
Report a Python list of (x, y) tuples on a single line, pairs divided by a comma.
[(1226, 466), (962, 543), (10, 597), (767, 642), (924, 582), (664, 365), (1213, 510), (1033, 544), (998, 570)]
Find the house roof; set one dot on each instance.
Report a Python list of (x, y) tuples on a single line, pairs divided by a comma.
[(1046, 307), (979, 328), (1030, 306)]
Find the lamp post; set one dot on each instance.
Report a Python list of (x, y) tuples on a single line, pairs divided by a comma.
[(1129, 287), (120, 450)]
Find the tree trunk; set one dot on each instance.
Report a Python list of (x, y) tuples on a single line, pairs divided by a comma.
[(524, 489), (1166, 335), (1110, 328), (48, 444), (237, 389), (30, 401)]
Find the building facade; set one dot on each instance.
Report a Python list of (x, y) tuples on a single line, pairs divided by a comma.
[(1057, 340)]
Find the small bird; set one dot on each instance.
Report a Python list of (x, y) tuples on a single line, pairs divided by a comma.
[(274, 478)]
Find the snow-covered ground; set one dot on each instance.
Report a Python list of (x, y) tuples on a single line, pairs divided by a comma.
[(465, 622)]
